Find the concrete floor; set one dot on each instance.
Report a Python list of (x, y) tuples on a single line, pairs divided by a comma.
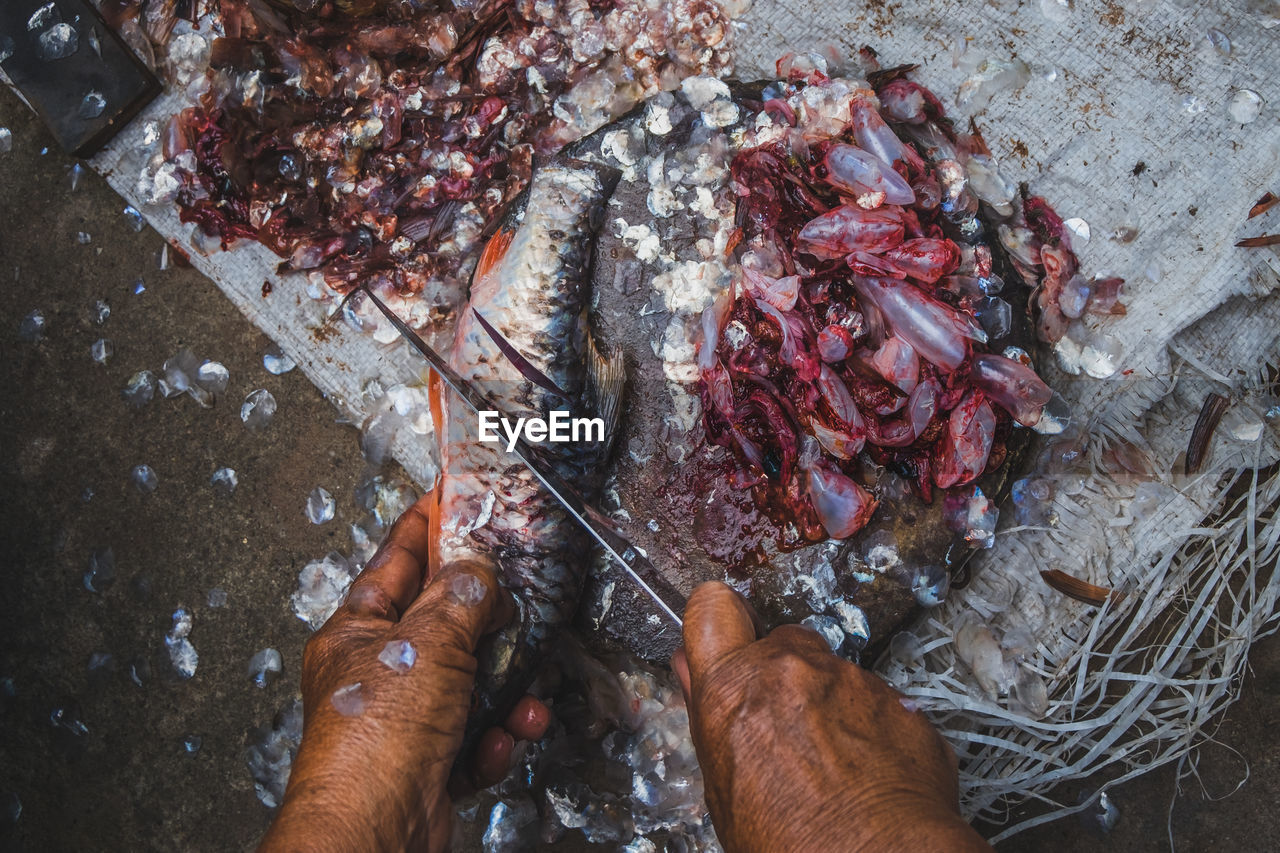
[(126, 783)]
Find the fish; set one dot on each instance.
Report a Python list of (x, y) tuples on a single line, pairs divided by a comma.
[(525, 338)]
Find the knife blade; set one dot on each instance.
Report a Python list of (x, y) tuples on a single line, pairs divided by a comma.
[(633, 561)]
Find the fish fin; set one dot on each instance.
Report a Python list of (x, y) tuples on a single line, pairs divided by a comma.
[(607, 375), (494, 251), (436, 404)]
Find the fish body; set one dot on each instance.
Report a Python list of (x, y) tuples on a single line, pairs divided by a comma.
[(529, 294)]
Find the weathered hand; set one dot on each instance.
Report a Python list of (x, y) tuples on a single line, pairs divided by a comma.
[(804, 751), (377, 779)]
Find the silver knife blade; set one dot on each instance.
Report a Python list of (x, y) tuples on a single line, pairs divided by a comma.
[(632, 560)]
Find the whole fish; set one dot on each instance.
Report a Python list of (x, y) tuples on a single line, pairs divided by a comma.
[(524, 338)]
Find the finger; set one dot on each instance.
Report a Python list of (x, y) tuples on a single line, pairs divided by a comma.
[(717, 622), (392, 578), (492, 758), (459, 605), (529, 719), (680, 666)]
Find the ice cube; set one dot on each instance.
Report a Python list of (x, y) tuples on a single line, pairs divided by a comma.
[(320, 506), (144, 478), (399, 655), (258, 408), (265, 666)]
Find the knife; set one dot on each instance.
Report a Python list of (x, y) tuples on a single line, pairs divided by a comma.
[(632, 559)]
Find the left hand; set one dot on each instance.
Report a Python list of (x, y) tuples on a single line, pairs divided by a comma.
[(377, 779)]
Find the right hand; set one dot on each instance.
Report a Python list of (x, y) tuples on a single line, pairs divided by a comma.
[(801, 750)]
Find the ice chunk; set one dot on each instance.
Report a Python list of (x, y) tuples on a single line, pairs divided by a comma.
[(1245, 106), (827, 628), (980, 521), (32, 327), (276, 361), (102, 570), (399, 655), (349, 701), (100, 311), (213, 377), (224, 481), (217, 597), (320, 506), (880, 551), (853, 621), (133, 218), (182, 654), (191, 744), (930, 585), (264, 666), (271, 752), (989, 78), (102, 350), (58, 42), (144, 478), (322, 584), (92, 105), (258, 408), (510, 827), (6, 135), (467, 589)]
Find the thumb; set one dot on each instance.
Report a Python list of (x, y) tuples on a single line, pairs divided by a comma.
[(462, 602), (717, 621)]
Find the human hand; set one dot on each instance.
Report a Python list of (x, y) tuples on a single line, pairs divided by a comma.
[(801, 750), (378, 779)]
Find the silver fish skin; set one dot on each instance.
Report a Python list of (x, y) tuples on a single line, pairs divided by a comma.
[(532, 285)]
